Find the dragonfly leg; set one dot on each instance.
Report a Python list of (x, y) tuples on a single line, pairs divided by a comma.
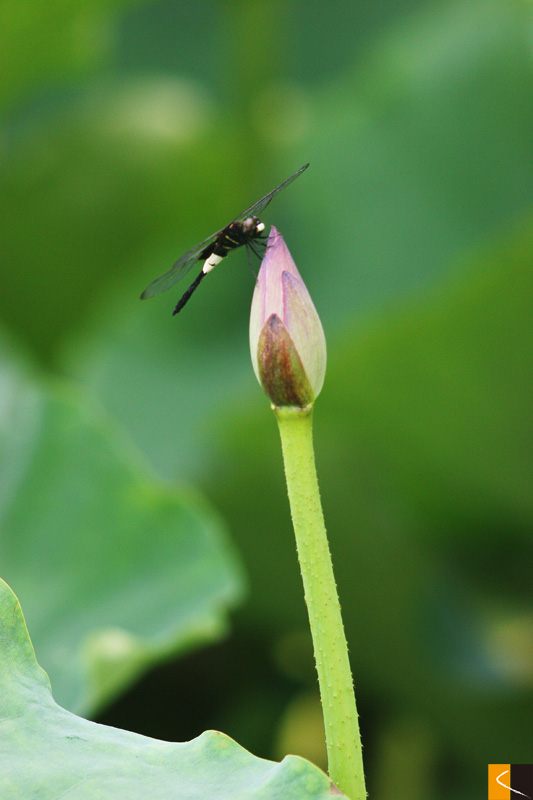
[(249, 247), (254, 245)]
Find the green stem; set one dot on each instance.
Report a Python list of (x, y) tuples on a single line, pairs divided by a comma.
[(343, 740)]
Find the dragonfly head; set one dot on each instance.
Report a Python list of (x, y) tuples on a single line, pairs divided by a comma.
[(253, 226)]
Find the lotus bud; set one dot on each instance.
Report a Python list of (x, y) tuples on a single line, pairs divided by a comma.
[(287, 341)]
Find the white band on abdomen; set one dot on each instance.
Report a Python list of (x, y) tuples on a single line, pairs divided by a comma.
[(211, 262)]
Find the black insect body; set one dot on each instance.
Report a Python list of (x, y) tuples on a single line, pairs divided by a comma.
[(245, 230), (236, 234)]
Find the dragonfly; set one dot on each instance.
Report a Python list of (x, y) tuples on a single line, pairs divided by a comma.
[(245, 230)]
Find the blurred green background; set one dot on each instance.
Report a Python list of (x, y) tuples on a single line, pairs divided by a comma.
[(131, 130)]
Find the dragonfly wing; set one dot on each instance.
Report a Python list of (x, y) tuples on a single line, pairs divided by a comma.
[(257, 208), (178, 270)]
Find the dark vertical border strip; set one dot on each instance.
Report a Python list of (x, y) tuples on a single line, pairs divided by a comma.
[(522, 779)]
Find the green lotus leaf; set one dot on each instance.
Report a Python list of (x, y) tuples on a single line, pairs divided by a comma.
[(48, 752), (116, 569)]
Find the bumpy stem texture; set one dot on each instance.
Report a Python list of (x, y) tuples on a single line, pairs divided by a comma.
[(343, 740)]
